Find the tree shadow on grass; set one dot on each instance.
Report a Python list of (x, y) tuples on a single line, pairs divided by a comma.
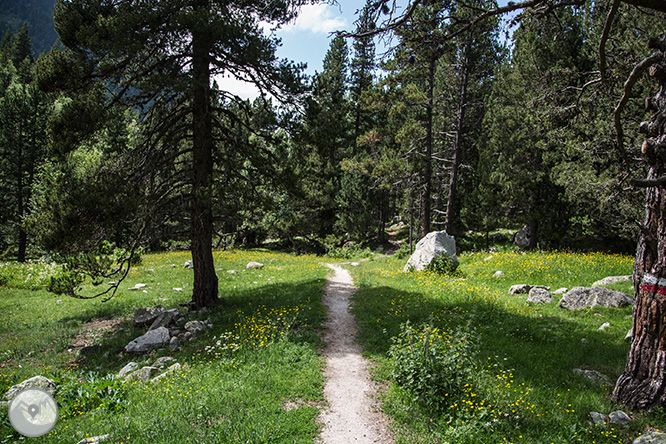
[(541, 351)]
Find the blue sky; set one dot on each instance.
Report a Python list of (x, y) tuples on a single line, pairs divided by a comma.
[(308, 37)]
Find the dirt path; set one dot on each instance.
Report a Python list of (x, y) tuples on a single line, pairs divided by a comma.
[(351, 416)]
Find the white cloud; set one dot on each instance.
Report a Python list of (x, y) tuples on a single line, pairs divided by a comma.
[(317, 19), (242, 89)]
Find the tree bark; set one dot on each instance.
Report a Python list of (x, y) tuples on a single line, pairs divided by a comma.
[(205, 291), (427, 169), (452, 208), (642, 385)]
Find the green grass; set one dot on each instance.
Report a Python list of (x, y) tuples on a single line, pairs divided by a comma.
[(522, 388), (255, 377)]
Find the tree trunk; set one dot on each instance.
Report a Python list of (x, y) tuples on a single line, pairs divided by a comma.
[(427, 169), (642, 385), (452, 208), (205, 279), (20, 194)]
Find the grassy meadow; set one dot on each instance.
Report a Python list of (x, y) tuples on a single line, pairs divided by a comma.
[(459, 359), (516, 382), (254, 377)]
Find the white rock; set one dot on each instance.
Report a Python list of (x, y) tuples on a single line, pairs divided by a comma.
[(498, 274), (604, 326), (254, 266), (434, 244)]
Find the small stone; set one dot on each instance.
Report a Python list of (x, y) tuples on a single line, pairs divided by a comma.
[(560, 291), (651, 438), (174, 343), (232, 271), (498, 274), (145, 374), (539, 296), (129, 368), (488, 258), (170, 371), (525, 288), (594, 376), (195, 327), (153, 339), (604, 326), (355, 264), (620, 418), (254, 266), (188, 264), (599, 419), (163, 361), (94, 439), (177, 289), (137, 287), (630, 334)]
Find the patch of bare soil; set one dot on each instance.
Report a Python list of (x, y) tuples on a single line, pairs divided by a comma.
[(92, 331), (352, 415)]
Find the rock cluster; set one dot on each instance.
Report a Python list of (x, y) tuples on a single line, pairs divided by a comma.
[(155, 372), (167, 327)]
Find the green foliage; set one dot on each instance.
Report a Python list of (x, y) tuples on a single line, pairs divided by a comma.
[(433, 365), (96, 393), (442, 265)]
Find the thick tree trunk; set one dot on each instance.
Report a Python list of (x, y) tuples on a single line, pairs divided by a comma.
[(452, 208), (642, 385), (427, 169), (205, 279)]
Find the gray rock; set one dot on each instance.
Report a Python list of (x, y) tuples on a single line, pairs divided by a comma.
[(232, 271), (594, 376), (169, 372), (355, 264), (525, 289), (163, 361), (254, 266), (174, 343), (129, 368), (620, 418), (162, 320), (630, 334), (145, 374), (146, 316), (188, 264), (586, 297), (434, 244), (522, 238), (599, 419), (540, 296), (499, 237), (153, 339), (38, 382), (195, 327), (651, 438), (560, 291), (613, 280), (498, 274), (604, 326)]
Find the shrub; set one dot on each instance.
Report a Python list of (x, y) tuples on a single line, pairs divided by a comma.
[(403, 251), (433, 365), (442, 265)]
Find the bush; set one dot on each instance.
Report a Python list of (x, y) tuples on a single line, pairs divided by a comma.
[(95, 393), (433, 365), (442, 265), (403, 251)]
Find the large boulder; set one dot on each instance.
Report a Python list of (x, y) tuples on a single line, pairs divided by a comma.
[(157, 338), (587, 297), (435, 244), (522, 238), (37, 382)]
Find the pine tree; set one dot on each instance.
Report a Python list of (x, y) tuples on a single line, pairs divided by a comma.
[(162, 57)]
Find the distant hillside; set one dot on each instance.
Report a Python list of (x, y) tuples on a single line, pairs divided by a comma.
[(38, 14)]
